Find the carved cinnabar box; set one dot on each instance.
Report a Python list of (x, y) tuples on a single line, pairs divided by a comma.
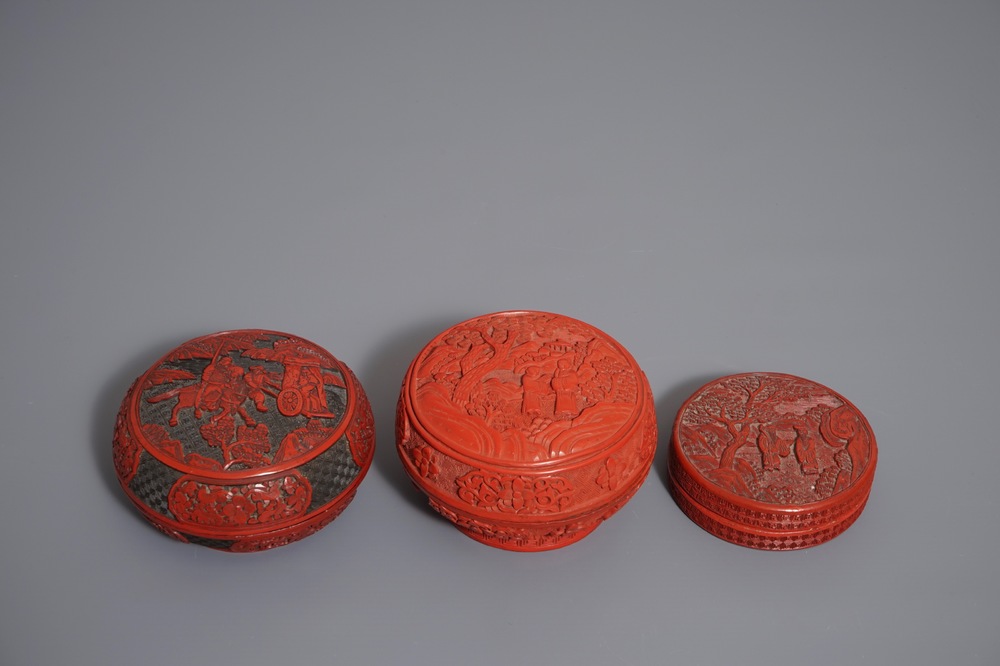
[(244, 440), (526, 429), (771, 461)]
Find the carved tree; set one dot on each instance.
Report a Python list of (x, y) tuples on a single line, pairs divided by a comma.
[(213, 347), (731, 413), (482, 359), (748, 411)]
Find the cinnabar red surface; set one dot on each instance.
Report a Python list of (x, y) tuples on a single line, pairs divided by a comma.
[(243, 440), (771, 461), (526, 429)]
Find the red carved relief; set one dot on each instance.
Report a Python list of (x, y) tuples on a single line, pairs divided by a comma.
[(227, 398), (771, 452), (510, 493), (361, 433), (527, 538), (274, 500), (126, 449), (528, 388), (425, 461), (610, 476), (763, 437), (525, 428), (243, 440), (302, 440)]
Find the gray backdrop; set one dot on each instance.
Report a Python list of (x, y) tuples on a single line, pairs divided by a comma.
[(800, 187)]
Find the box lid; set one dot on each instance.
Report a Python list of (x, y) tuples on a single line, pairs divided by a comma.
[(771, 461)]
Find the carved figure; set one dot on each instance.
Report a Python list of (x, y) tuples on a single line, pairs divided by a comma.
[(778, 440), (229, 390), (566, 384), (535, 386), (261, 383)]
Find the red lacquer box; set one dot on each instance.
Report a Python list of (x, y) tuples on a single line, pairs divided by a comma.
[(526, 429), (243, 440), (771, 461)]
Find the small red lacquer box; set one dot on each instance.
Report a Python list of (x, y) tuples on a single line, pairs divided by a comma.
[(526, 429), (243, 440), (771, 461)]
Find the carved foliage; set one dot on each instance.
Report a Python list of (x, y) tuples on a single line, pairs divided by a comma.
[(426, 461), (263, 502), (125, 449), (508, 493), (773, 438), (361, 433)]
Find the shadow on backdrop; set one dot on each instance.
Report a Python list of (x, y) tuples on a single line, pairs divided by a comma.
[(382, 380)]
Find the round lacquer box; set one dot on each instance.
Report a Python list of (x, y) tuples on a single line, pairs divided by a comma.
[(526, 429), (243, 440), (771, 461)]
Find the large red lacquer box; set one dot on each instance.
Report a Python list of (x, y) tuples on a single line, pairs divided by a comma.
[(243, 440), (771, 461), (526, 429)]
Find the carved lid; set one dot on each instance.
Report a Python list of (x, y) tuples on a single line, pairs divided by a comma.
[(771, 461), (524, 389), (242, 404)]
